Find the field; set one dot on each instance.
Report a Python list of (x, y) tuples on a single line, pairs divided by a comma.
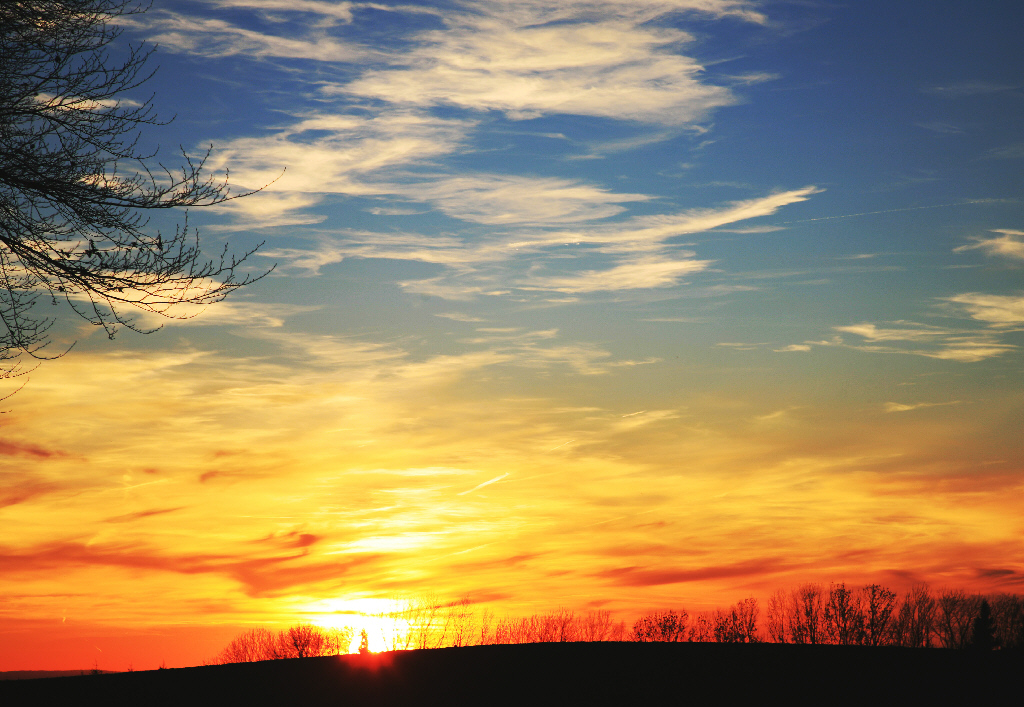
[(574, 673)]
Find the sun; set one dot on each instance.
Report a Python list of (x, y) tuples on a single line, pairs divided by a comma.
[(378, 617)]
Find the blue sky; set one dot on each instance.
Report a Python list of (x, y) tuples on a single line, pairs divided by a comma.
[(618, 304)]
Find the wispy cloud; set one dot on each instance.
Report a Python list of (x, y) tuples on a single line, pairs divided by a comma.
[(637, 249), (1013, 151), (644, 233), (610, 69), (638, 274), (907, 407), (211, 37), (458, 317), (998, 311), (1010, 244), (929, 341), (967, 89), (500, 199), (328, 153), (938, 126)]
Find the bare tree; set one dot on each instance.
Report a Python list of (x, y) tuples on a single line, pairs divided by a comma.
[(668, 626), (777, 617), (308, 640), (806, 608), (1008, 612), (955, 612), (914, 623), (702, 629), (879, 604), (596, 625), (843, 617), (252, 646), (75, 188), (738, 623), (486, 631), (463, 622)]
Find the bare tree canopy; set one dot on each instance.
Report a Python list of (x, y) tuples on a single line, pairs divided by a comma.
[(75, 188)]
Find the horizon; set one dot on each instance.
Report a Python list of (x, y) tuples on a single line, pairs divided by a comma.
[(596, 304)]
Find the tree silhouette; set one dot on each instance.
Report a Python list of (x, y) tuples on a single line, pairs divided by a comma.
[(844, 619), (879, 604), (983, 633), (668, 626), (75, 188)]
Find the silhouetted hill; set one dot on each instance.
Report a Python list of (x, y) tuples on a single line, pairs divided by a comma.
[(560, 673), (34, 674)]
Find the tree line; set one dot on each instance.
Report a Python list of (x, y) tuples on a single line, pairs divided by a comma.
[(813, 614)]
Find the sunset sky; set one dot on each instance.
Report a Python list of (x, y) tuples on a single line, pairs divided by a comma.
[(628, 305)]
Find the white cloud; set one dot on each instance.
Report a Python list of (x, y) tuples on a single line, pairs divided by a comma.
[(1010, 244), (792, 347), (999, 311), (332, 153), (640, 273), (211, 37), (458, 317), (929, 341), (871, 332), (609, 69), (966, 89), (499, 199), (650, 232), (902, 407), (437, 287), (268, 209), (394, 211)]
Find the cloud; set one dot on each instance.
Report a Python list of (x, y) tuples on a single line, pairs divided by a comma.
[(902, 407), (791, 347), (937, 126), (966, 89), (327, 153), (641, 273), (607, 69), (129, 517), (999, 311), (209, 37), (1013, 151), (231, 312), (394, 211), (637, 245), (372, 155), (542, 58), (501, 199), (937, 342), (261, 576), (642, 577), (458, 317), (1010, 244), (650, 232), (267, 209), (19, 488), (872, 332), (29, 450)]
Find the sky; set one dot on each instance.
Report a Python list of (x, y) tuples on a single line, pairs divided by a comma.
[(584, 304)]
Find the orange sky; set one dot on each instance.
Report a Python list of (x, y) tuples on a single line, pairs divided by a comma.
[(153, 491)]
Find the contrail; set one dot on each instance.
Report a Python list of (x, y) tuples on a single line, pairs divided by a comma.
[(486, 483), (892, 211)]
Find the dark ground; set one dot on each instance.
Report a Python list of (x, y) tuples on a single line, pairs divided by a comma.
[(564, 673)]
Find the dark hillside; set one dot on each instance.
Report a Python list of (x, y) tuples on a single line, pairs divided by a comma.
[(550, 673)]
